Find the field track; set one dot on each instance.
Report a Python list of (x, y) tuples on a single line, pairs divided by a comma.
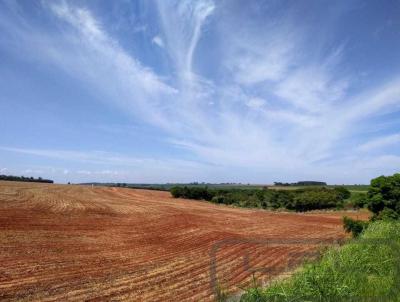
[(78, 243)]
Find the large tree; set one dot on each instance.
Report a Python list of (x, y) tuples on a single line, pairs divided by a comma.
[(384, 194)]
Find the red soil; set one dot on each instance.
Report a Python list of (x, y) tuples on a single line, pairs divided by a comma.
[(76, 243)]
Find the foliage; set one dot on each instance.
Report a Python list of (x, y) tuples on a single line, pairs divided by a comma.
[(356, 227), (310, 183), (343, 192), (299, 200), (25, 179), (357, 200), (387, 214), (384, 193), (192, 193), (366, 269), (312, 199), (301, 183)]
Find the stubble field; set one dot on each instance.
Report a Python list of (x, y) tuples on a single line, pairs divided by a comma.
[(75, 243)]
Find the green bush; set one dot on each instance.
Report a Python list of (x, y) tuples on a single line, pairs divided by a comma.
[(387, 214), (343, 192), (218, 199), (357, 200), (356, 227), (313, 199), (192, 192), (177, 192)]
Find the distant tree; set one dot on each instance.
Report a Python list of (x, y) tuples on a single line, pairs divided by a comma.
[(358, 200), (343, 192), (300, 200), (310, 183), (315, 199)]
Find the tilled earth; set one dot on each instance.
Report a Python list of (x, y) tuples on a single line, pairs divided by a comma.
[(78, 243)]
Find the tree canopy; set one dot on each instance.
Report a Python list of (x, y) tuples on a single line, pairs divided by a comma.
[(384, 196)]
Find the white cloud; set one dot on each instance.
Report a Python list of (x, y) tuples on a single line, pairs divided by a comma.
[(182, 22), (259, 52), (158, 41), (253, 64), (116, 167), (95, 57), (32, 171), (311, 88), (255, 103), (84, 172), (101, 157), (379, 143), (374, 101), (99, 173)]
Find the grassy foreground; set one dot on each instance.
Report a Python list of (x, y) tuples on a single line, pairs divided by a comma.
[(365, 269)]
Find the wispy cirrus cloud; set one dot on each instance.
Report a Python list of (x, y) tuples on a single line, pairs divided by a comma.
[(101, 157), (64, 165), (86, 51), (182, 23), (380, 142)]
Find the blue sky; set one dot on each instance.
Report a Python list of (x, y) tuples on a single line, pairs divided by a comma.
[(214, 91)]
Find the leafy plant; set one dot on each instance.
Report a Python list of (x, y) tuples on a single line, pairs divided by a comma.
[(356, 227)]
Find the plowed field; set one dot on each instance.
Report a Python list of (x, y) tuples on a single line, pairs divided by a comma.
[(76, 243)]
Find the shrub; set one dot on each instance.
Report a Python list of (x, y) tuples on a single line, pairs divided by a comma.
[(192, 192), (176, 192), (357, 200), (313, 199), (356, 227), (218, 199), (342, 192), (387, 214)]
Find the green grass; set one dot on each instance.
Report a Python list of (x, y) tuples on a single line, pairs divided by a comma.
[(365, 269)]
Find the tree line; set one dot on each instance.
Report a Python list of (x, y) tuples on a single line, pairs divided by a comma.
[(301, 183), (304, 199), (25, 179)]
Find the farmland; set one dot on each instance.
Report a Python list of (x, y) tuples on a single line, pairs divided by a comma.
[(65, 242)]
